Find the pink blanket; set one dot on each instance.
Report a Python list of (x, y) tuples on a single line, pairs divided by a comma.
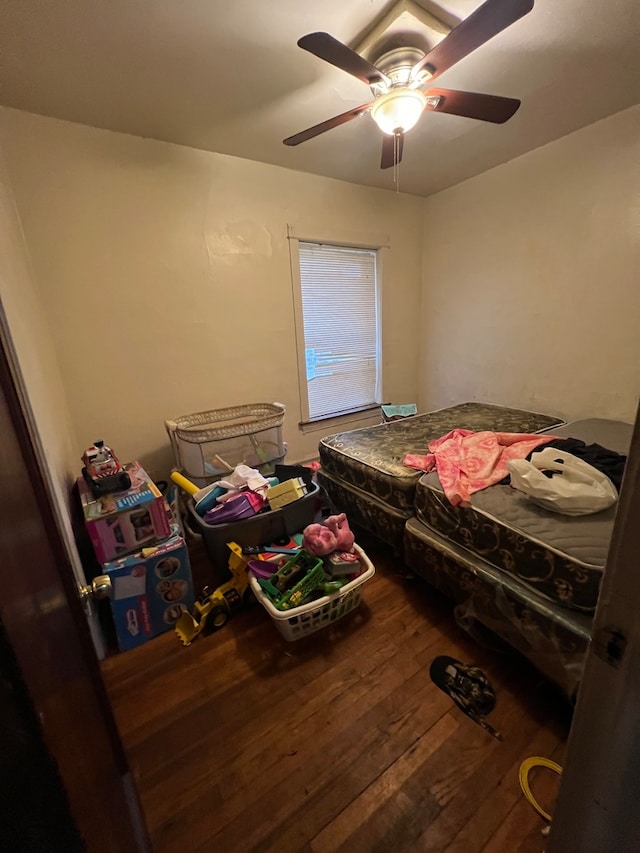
[(468, 461)]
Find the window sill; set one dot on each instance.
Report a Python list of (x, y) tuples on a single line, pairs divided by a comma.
[(333, 424)]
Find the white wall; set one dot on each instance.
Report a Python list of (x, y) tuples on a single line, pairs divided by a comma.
[(164, 274), (31, 349), (531, 289)]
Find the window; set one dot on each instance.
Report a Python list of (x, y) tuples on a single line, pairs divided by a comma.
[(338, 328)]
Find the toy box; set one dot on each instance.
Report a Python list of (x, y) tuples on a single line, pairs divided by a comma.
[(149, 591), (263, 528), (123, 522)]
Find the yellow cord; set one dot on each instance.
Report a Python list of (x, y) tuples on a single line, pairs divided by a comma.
[(525, 767)]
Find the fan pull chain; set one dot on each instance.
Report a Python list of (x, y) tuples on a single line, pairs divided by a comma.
[(396, 164)]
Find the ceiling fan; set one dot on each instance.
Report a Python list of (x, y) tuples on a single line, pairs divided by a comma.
[(399, 78)]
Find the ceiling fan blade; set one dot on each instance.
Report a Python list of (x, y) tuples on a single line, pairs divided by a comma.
[(487, 21), (391, 150), (333, 51), (473, 105), (329, 124)]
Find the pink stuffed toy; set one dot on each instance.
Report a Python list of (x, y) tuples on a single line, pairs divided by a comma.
[(318, 540), (323, 539), (339, 525)]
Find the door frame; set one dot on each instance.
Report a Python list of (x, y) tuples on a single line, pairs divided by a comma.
[(46, 626), (597, 809)]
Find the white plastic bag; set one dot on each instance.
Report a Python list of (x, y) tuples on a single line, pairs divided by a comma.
[(576, 488)]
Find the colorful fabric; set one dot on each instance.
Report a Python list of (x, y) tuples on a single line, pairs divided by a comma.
[(468, 461)]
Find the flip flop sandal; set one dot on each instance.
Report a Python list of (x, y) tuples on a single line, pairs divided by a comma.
[(469, 688)]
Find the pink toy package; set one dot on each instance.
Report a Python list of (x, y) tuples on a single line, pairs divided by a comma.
[(123, 522)]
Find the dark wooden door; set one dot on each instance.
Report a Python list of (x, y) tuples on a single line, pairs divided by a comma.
[(47, 638)]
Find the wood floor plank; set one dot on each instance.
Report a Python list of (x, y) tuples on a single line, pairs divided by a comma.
[(384, 788), (500, 798), (416, 710), (384, 722), (461, 792), (523, 824), (544, 785), (414, 806), (339, 741), (328, 709), (284, 752)]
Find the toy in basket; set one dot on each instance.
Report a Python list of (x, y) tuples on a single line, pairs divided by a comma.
[(337, 597), (294, 583)]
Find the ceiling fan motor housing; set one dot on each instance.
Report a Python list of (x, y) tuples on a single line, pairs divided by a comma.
[(398, 64)]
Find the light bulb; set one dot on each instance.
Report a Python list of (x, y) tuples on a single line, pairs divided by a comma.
[(398, 110)]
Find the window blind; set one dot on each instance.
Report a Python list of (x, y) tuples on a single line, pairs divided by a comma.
[(340, 315)]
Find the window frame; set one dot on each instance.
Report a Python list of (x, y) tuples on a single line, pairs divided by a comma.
[(367, 242)]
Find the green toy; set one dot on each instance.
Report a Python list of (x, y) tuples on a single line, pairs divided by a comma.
[(294, 583)]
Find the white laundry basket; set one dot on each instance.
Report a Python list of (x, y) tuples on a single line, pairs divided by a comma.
[(300, 621)]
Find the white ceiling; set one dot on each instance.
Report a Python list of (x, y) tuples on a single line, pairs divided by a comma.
[(229, 77)]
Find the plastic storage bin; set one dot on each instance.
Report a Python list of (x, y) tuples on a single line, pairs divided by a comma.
[(300, 621), (207, 445), (262, 529)]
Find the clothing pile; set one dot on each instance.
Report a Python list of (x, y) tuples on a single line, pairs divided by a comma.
[(468, 461), (566, 476)]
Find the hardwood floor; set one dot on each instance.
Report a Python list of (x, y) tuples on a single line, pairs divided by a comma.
[(340, 741)]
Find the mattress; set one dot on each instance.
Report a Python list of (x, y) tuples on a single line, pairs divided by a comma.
[(562, 557), (370, 459)]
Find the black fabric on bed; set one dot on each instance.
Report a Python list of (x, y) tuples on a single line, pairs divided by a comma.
[(610, 463)]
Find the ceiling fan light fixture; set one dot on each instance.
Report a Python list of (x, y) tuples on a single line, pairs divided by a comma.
[(398, 110)]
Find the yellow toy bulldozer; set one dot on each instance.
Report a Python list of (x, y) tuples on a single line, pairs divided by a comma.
[(214, 607)]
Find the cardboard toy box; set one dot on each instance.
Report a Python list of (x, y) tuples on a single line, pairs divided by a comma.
[(149, 591), (124, 522)]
